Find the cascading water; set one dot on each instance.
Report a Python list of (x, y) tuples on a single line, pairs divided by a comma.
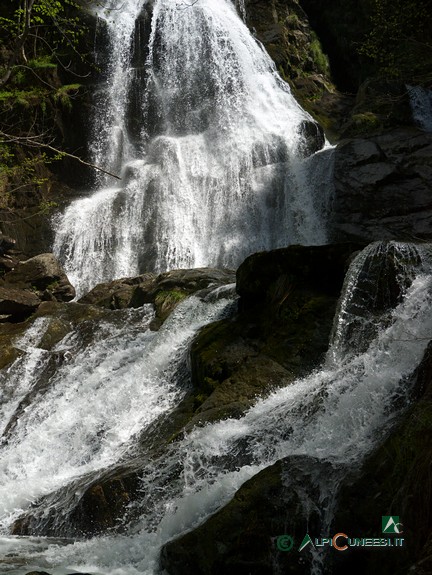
[(335, 415), (421, 106), (208, 141)]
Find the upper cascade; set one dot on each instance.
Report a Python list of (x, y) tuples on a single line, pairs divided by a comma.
[(208, 140)]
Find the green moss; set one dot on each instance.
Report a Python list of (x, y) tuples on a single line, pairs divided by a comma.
[(65, 93), (42, 62), (365, 123), (319, 58), (166, 301)]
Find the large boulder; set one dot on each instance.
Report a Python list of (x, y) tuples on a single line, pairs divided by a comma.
[(286, 308), (246, 536), (383, 187), (17, 304), (44, 276)]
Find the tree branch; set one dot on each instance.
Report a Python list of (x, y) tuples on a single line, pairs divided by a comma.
[(34, 142)]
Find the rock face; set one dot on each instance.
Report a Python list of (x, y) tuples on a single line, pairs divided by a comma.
[(44, 276), (383, 187), (283, 28), (17, 303)]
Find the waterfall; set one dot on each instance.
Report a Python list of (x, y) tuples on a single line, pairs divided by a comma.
[(209, 143), (421, 106), (336, 414)]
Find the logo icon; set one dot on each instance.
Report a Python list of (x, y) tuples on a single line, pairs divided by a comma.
[(306, 541), (390, 524), (285, 543)]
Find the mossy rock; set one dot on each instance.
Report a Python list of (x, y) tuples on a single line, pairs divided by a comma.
[(166, 301), (8, 352)]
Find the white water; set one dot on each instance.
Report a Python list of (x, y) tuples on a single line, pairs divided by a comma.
[(421, 106), (336, 414), (206, 137), (87, 415)]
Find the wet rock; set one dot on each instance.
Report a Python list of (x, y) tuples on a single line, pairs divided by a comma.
[(17, 304), (242, 538), (273, 275), (383, 187), (165, 291), (312, 137), (44, 276), (121, 293), (287, 303), (102, 505)]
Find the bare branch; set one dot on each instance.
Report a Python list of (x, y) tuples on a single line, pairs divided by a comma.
[(34, 142)]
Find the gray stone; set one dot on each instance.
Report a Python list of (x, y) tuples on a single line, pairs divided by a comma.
[(383, 187)]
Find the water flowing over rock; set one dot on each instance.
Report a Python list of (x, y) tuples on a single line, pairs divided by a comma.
[(165, 290), (210, 170), (421, 106), (171, 419), (357, 384)]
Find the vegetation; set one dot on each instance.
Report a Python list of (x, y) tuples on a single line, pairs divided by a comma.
[(400, 40), (38, 37)]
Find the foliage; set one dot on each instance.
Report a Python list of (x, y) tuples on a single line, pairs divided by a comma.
[(400, 40), (21, 173), (38, 37), (320, 59)]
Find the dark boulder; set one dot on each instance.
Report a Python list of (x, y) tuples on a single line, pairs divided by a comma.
[(271, 275), (313, 138), (121, 293), (17, 303), (287, 303), (44, 276)]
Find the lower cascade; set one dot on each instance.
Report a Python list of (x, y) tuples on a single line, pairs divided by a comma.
[(65, 427)]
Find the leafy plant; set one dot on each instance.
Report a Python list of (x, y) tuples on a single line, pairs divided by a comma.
[(399, 41)]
